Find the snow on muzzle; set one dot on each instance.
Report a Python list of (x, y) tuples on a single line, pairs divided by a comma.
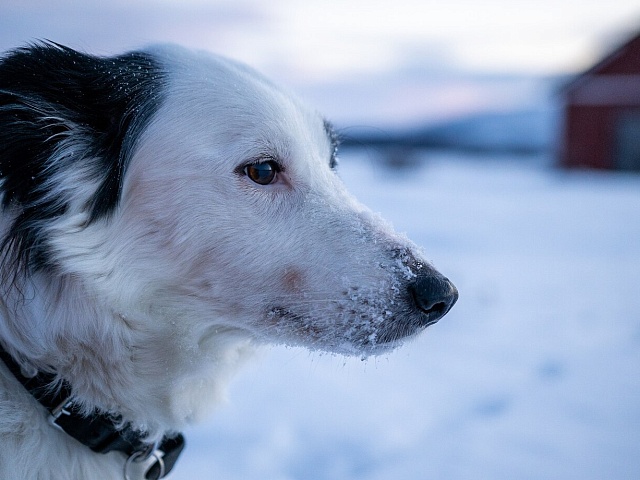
[(370, 317)]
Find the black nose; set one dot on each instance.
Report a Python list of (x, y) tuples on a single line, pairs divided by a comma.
[(433, 295)]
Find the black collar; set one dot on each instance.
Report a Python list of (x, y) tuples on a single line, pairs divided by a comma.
[(100, 432)]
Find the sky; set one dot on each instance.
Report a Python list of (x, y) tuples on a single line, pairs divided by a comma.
[(366, 56), (321, 38)]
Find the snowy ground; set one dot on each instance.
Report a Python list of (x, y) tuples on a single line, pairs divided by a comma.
[(535, 373)]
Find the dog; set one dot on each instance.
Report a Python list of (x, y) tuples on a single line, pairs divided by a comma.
[(165, 212)]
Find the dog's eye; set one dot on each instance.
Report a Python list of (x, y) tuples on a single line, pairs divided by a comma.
[(262, 173)]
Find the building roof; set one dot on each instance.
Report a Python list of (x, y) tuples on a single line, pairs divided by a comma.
[(623, 60)]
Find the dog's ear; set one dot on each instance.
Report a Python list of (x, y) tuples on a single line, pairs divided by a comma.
[(63, 112)]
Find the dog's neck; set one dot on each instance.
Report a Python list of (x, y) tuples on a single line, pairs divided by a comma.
[(135, 363), (116, 363), (102, 433)]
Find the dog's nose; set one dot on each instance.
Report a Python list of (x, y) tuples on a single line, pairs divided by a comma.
[(433, 295)]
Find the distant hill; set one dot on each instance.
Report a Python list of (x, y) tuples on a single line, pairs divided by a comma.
[(526, 131)]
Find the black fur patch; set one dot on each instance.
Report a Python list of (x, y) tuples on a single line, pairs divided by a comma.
[(48, 95)]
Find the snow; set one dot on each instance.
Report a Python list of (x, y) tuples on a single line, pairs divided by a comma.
[(535, 373)]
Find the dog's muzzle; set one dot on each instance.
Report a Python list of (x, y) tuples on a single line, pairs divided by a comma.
[(433, 296)]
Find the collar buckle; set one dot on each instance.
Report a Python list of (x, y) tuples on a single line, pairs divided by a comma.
[(63, 408)]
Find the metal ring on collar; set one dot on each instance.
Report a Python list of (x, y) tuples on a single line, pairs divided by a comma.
[(139, 457)]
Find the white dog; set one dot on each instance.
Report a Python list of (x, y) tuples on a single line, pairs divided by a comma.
[(163, 212)]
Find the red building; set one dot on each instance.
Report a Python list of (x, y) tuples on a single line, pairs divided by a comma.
[(602, 113)]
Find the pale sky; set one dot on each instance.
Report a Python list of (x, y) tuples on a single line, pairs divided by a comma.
[(330, 42), (337, 37)]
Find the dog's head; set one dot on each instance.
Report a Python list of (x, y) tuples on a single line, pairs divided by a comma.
[(188, 190)]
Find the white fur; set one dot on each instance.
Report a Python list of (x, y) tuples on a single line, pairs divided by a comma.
[(154, 307)]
